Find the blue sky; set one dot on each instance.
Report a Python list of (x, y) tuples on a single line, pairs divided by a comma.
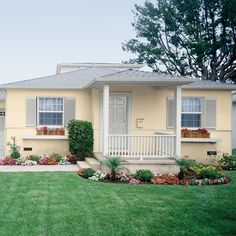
[(36, 35)]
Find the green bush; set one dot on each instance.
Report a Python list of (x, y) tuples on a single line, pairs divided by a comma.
[(87, 173), (80, 138), (210, 172), (228, 162), (14, 149), (144, 175), (56, 156), (34, 158)]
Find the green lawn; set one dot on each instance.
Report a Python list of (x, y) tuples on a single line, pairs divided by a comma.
[(65, 204)]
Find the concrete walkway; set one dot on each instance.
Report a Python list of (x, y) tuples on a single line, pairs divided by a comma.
[(38, 168)]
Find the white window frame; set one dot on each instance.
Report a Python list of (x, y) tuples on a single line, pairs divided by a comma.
[(63, 110), (201, 113)]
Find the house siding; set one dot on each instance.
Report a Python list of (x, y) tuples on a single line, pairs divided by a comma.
[(148, 103)]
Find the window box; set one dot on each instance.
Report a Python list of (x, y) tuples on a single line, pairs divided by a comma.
[(199, 133), (51, 131)]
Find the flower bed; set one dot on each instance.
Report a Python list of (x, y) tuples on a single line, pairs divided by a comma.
[(32, 160), (161, 179)]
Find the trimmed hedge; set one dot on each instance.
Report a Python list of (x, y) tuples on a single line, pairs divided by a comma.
[(80, 138)]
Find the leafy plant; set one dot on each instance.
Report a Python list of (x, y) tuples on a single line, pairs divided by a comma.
[(144, 175), (114, 164), (56, 156), (210, 172), (36, 158), (228, 162), (80, 138), (87, 173), (14, 149), (186, 164)]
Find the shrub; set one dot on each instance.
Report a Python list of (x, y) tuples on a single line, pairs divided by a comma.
[(186, 164), (56, 156), (36, 158), (210, 172), (144, 175), (14, 149), (80, 138), (48, 161), (114, 164), (228, 162), (87, 173)]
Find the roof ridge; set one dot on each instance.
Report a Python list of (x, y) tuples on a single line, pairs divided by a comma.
[(118, 72)]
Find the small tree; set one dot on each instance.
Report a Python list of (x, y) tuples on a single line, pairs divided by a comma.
[(14, 149), (80, 138), (114, 164)]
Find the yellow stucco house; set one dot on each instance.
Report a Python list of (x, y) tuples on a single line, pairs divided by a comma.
[(135, 114)]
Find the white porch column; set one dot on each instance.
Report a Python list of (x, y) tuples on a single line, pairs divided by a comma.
[(105, 119), (178, 106)]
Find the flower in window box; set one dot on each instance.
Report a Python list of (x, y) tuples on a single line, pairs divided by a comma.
[(62, 131), (45, 130), (203, 133), (185, 133), (40, 131)]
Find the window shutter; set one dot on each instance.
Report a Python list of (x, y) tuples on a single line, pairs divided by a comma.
[(210, 113), (31, 112), (170, 113), (69, 109)]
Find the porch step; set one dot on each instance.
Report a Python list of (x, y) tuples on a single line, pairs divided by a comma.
[(83, 165), (95, 164), (156, 169)]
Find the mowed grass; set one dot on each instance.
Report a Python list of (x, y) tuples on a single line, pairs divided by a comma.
[(65, 204)]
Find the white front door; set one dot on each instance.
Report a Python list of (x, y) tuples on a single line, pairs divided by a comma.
[(118, 114), (2, 128)]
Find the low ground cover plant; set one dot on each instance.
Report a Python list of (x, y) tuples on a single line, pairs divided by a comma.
[(228, 162), (144, 175)]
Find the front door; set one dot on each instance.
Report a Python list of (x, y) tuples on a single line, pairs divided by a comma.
[(118, 114)]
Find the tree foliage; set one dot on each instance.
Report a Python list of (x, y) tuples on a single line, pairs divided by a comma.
[(186, 37)]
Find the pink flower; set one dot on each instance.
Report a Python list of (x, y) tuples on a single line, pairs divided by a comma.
[(134, 181)]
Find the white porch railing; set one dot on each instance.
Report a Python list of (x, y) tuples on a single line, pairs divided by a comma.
[(140, 146)]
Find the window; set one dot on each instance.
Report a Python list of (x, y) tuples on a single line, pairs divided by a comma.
[(191, 112), (50, 111)]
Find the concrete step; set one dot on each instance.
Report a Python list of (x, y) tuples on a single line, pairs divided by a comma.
[(156, 169), (83, 165), (95, 164)]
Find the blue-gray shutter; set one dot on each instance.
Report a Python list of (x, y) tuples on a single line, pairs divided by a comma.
[(170, 113), (210, 113), (31, 112), (69, 109)]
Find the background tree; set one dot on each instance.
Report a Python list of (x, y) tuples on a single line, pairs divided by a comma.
[(186, 37)]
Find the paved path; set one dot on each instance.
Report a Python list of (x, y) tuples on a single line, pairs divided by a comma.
[(38, 168)]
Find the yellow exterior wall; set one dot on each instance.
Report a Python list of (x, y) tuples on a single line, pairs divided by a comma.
[(16, 118), (2, 104), (148, 103)]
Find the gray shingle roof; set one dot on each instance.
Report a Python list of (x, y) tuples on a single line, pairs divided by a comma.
[(206, 84), (87, 77), (69, 80)]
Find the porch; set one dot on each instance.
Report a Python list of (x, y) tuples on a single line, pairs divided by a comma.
[(118, 139)]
